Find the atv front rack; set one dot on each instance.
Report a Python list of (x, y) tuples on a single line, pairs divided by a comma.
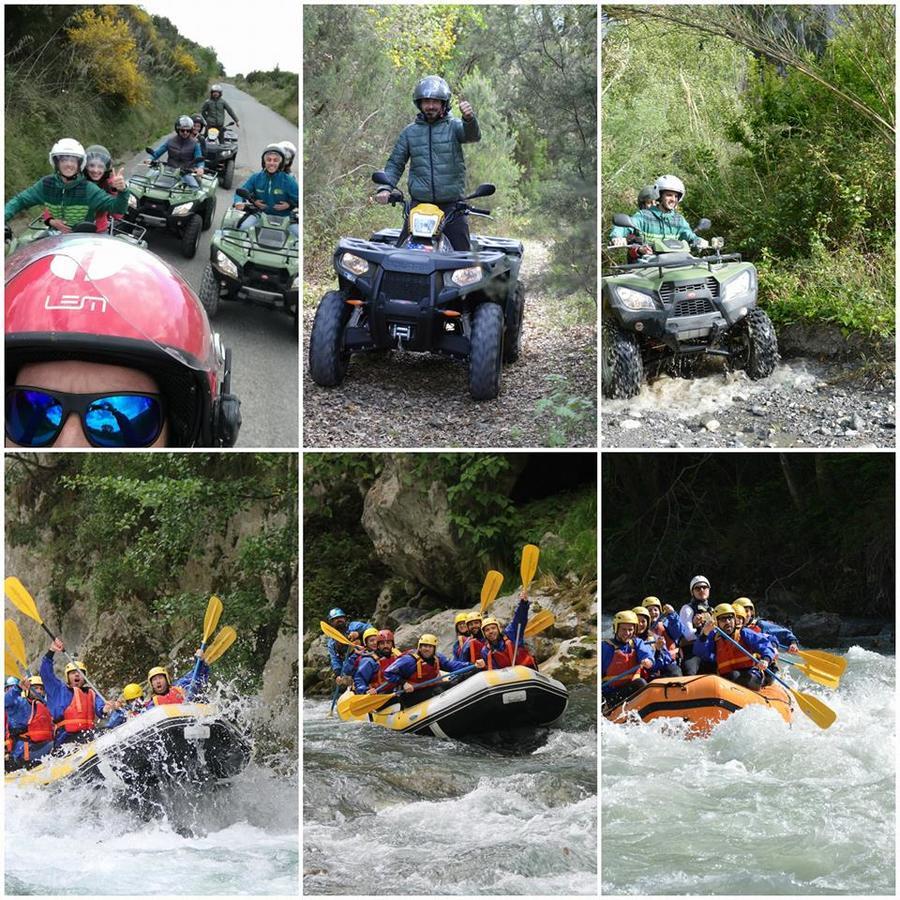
[(682, 263)]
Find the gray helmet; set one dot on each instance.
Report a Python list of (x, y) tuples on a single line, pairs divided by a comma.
[(214, 88), (184, 122), (432, 87), (273, 148), (670, 183), (99, 152), (197, 117), (649, 192)]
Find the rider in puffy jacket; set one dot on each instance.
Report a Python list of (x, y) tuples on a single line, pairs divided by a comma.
[(662, 221), (214, 109), (183, 150), (276, 192), (432, 145)]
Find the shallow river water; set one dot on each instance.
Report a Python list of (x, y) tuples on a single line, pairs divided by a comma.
[(759, 807), (426, 816)]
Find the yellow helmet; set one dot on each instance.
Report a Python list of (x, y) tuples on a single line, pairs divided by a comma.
[(158, 670), (461, 617), (36, 679), (746, 602), (625, 617), (132, 691), (723, 609), (74, 666), (739, 604), (490, 620), (428, 639), (474, 616), (651, 601), (370, 632), (641, 611)]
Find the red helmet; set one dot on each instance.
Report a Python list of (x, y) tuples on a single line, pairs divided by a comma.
[(81, 296), (386, 635)]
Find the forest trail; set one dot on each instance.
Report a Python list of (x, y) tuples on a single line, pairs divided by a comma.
[(804, 403), (422, 400)]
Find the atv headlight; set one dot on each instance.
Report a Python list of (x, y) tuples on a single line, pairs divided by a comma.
[(467, 276), (225, 265), (183, 209), (424, 224), (634, 300), (742, 284), (132, 201), (355, 264)]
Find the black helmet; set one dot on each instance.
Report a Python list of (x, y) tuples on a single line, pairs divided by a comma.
[(649, 192), (432, 87), (198, 118), (184, 122), (99, 152)]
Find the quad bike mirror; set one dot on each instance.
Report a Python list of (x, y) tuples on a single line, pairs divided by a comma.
[(243, 193), (149, 150), (703, 225), (380, 178), (483, 190), (623, 221)]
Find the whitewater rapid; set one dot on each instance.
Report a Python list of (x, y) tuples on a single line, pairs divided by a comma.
[(759, 807), (419, 815)]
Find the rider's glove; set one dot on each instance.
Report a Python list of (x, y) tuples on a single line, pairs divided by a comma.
[(701, 243)]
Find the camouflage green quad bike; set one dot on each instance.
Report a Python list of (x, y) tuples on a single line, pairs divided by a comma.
[(260, 265), (160, 199), (37, 230), (672, 307)]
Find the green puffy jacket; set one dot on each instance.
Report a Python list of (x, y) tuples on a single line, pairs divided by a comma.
[(437, 169), (214, 113), (78, 200), (655, 223)]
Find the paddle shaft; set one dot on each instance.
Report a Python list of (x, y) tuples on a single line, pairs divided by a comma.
[(432, 681), (620, 676), (746, 652), (72, 660)]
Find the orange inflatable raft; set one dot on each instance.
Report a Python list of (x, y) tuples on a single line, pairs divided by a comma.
[(702, 700)]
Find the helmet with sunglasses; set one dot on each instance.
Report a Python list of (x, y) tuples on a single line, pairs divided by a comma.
[(87, 298), (183, 122)]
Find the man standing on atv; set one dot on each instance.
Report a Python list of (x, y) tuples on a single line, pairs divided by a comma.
[(662, 221), (433, 146), (214, 109)]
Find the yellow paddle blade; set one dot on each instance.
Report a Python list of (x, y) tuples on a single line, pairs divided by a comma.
[(21, 599), (224, 639), (332, 632), (213, 611), (826, 662), (9, 665), (489, 590), (824, 716), (823, 678), (14, 642), (539, 622), (363, 704), (530, 556)]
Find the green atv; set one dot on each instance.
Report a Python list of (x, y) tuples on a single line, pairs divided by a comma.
[(160, 199), (671, 307), (38, 229), (260, 265)]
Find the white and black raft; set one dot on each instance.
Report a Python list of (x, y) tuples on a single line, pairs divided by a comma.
[(177, 742), (500, 700)]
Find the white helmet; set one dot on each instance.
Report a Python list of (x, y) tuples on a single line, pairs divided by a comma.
[(670, 183), (289, 149), (67, 147), (699, 579)]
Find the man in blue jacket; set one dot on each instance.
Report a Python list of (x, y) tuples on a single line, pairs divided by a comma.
[(432, 145), (182, 150), (276, 193), (29, 726), (731, 662), (337, 651), (424, 664)]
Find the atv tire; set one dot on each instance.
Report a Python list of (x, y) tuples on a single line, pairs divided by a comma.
[(512, 340), (486, 351), (190, 236), (328, 360), (209, 212), (757, 335), (227, 175), (622, 369), (209, 291)]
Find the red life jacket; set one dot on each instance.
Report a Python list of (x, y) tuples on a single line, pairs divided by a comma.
[(671, 645), (623, 659), (385, 661), (79, 714), (174, 694), (475, 648), (40, 724), (425, 669), (500, 659), (729, 658)]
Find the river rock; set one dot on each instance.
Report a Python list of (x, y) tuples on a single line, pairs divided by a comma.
[(575, 661)]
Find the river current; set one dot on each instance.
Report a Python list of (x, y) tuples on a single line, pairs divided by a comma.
[(418, 815), (759, 807)]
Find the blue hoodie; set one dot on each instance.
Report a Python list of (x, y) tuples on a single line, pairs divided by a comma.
[(338, 651), (276, 188)]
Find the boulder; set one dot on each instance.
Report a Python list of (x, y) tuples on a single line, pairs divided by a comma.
[(575, 661)]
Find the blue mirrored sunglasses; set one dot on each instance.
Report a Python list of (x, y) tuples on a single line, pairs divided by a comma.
[(35, 417)]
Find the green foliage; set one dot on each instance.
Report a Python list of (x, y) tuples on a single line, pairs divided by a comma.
[(276, 89), (781, 155), (572, 418)]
